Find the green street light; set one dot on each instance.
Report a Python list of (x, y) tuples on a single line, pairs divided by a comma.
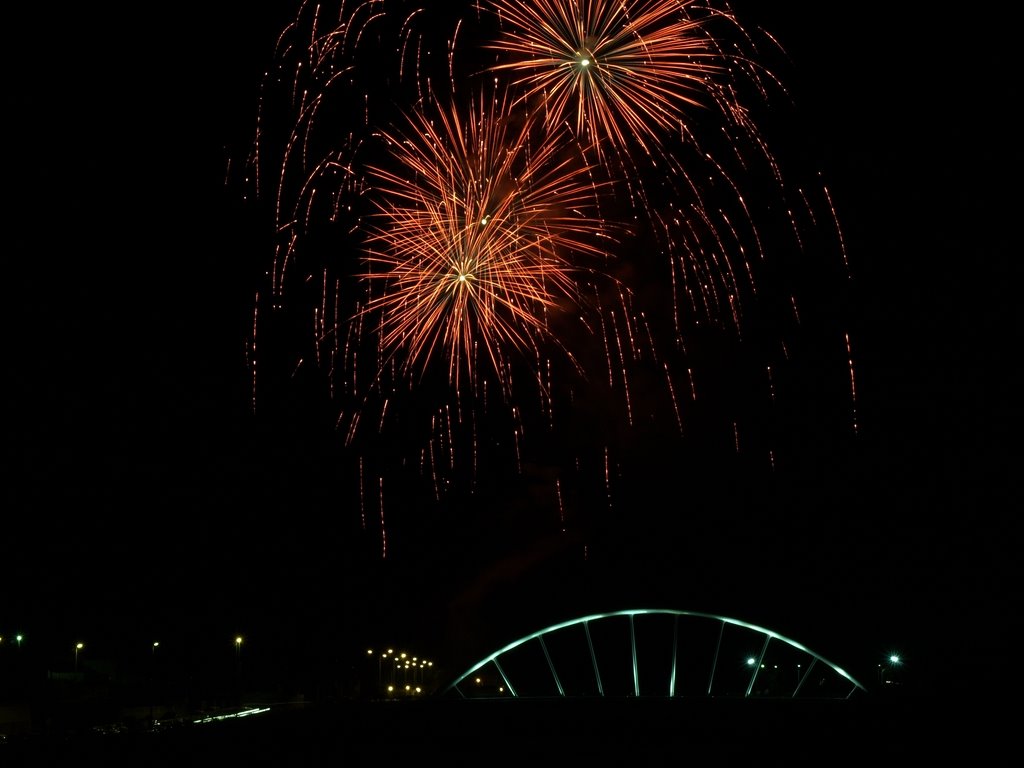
[(893, 660), (78, 647)]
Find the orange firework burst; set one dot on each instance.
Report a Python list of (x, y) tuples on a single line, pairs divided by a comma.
[(479, 234), (662, 77), (614, 69)]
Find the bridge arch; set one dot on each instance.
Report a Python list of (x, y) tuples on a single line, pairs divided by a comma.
[(646, 652)]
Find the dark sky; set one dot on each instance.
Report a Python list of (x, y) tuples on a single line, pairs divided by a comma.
[(142, 495)]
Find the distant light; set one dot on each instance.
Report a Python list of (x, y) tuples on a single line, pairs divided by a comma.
[(243, 713), (894, 659), (751, 661)]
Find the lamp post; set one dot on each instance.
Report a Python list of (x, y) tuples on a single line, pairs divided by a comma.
[(380, 670), (152, 680), (238, 669), (893, 661), (78, 647), (380, 667)]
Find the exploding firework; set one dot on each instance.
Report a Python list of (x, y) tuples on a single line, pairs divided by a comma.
[(619, 72), (565, 220), (479, 235)]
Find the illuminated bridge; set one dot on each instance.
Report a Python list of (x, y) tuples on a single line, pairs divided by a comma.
[(655, 654)]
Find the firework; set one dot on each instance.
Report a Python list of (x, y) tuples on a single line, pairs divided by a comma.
[(576, 231), (669, 78), (478, 236), (616, 71)]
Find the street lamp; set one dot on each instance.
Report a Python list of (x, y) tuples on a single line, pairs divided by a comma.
[(152, 680), (18, 639), (893, 660), (380, 663), (78, 647)]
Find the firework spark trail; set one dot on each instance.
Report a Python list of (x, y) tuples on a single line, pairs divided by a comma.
[(362, 495), (250, 353), (839, 229), (323, 60), (383, 527), (853, 382), (617, 335), (675, 401)]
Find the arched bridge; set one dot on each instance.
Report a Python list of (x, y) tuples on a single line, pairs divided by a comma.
[(654, 653)]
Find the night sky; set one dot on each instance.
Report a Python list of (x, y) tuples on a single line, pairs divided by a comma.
[(144, 498)]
